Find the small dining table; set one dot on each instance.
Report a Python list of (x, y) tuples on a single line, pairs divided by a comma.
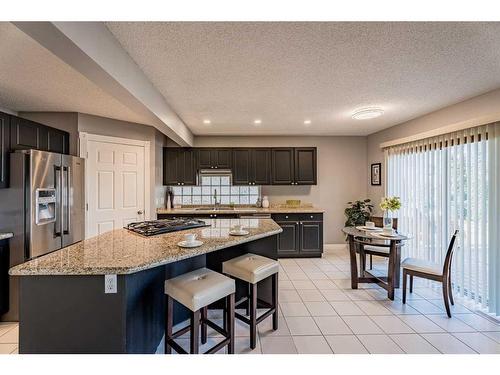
[(357, 239)]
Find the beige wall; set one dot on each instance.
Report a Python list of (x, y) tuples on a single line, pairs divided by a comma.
[(476, 111), (342, 173)]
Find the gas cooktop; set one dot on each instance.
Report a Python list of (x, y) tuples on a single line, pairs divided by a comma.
[(154, 227)]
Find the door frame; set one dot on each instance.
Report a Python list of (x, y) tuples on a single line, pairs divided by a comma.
[(85, 137)]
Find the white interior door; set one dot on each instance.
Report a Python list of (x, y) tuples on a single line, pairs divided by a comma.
[(116, 185)]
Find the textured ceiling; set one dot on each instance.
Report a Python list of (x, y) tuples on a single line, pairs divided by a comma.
[(284, 73), (33, 79)]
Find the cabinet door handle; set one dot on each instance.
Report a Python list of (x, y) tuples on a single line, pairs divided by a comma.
[(215, 167), (297, 223), (286, 217)]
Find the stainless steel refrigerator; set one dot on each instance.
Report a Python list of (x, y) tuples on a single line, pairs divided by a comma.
[(44, 207)]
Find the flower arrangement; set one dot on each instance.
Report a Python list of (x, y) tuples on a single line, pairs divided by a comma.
[(390, 204)]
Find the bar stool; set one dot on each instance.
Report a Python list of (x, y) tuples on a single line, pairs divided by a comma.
[(196, 290), (252, 269)]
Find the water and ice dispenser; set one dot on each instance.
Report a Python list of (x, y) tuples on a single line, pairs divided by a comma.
[(45, 206)]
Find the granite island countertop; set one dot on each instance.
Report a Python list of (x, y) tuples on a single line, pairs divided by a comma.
[(124, 252), (242, 210), (4, 236)]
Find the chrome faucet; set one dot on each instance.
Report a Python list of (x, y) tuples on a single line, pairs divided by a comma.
[(215, 199)]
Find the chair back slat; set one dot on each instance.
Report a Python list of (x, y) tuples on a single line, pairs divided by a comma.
[(449, 254), (379, 221)]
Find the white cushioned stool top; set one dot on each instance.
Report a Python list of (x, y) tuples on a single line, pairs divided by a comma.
[(379, 249), (199, 288), (250, 267), (422, 266)]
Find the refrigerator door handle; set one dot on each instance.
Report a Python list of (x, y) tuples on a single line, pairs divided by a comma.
[(58, 185), (66, 199)]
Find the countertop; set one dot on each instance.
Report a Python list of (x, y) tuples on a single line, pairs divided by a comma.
[(4, 236), (124, 252), (243, 210)]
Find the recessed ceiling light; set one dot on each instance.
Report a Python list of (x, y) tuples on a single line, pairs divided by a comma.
[(257, 122), (367, 113), (207, 122), (307, 122)]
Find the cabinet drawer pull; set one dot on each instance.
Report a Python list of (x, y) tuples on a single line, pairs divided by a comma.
[(286, 217)]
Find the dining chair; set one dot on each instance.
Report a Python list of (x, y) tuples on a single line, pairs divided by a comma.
[(379, 250), (432, 271)]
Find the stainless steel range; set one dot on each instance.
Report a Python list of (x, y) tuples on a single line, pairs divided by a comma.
[(154, 227)]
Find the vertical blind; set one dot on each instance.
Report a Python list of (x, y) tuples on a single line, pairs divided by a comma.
[(450, 182)]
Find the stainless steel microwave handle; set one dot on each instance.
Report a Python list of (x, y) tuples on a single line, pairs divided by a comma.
[(66, 199), (58, 186)]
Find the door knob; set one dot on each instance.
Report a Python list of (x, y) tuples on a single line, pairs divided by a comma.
[(140, 212)]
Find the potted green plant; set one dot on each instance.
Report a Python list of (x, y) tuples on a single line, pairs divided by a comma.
[(389, 204), (358, 212)]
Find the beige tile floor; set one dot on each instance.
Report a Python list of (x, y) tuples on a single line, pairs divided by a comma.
[(320, 313)]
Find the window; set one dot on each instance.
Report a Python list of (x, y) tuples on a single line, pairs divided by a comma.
[(445, 183), (226, 194)]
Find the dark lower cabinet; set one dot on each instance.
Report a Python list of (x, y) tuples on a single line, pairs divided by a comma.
[(302, 235), (4, 149), (4, 276)]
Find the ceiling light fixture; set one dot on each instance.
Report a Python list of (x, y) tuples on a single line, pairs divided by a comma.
[(207, 122), (367, 113), (307, 122), (257, 122)]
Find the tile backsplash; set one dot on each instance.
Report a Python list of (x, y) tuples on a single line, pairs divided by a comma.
[(226, 194)]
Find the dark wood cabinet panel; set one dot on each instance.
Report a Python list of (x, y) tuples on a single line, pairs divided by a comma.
[(261, 166), (215, 158), (179, 166), (311, 237), (188, 159), (282, 166), (241, 166), (171, 174), (4, 149), (205, 158), (223, 158), (57, 141), (302, 235), (305, 166), (288, 240), (24, 134)]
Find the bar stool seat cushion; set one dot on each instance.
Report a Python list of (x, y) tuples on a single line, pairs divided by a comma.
[(250, 267), (199, 288), (378, 249), (421, 265)]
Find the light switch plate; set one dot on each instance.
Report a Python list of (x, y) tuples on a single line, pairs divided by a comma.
[(110, 284)]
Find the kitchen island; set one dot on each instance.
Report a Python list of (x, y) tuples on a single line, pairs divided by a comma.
[(65, 307)]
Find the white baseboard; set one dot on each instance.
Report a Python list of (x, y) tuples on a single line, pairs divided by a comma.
[(334, 247)]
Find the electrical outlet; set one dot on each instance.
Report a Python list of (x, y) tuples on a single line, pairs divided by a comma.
[(110, 284)]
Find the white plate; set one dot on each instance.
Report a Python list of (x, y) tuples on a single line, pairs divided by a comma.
[(374, 229), (195, 243), (385, 236), (240, 233)]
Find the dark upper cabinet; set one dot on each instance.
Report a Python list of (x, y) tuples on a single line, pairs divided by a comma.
[(305, 165), (251, 166), (261, 166), (179, 166), (294, 166), (282, 166), (57, 141), (26, 134), (4, 149), (242, 166), (215, 158)]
